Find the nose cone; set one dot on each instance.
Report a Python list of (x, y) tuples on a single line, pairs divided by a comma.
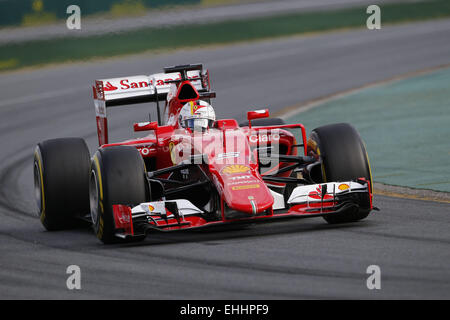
[(247, 193)]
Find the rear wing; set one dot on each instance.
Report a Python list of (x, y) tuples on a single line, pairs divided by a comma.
[(138, 89), (142, 88)]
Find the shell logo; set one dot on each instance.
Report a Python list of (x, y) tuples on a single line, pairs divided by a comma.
[(151, 208), (235, 168), (343, 186)]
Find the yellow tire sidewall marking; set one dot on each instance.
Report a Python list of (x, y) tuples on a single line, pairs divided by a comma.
[(315, 147), (323, 167), (99, 177), (41, 175), (100, 201), (370, 170)]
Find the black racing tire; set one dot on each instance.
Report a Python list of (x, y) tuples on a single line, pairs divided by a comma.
[(264, 122), (117, 177), (344, 158), (61, 182)]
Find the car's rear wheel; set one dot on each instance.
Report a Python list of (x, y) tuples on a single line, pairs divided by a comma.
[(117, 177), (344, 158), (61, 182)]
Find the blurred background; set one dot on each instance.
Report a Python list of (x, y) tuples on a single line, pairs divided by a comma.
[(34, 32), (38, 12)]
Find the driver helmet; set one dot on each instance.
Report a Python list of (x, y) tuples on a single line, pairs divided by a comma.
[(197, 115)]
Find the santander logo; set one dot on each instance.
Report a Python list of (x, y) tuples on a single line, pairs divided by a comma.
[(127, 84), (109, 87), (140, 82)]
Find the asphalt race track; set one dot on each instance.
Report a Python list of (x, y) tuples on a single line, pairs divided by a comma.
[(295, 259)]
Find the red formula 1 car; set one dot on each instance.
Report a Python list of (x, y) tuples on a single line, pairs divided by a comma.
[(178, 177)]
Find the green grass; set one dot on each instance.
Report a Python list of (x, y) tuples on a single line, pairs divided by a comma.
[(77, 49)]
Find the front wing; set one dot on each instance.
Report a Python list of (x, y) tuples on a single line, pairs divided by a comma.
[(304, 201)]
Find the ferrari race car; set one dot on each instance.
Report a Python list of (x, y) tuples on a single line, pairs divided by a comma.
[(177, 177)]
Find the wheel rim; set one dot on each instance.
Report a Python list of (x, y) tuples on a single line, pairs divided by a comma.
[(93, 197), (37, 186)]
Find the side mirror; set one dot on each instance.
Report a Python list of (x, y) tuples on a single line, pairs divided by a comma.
[(257, 114), (145, 126)]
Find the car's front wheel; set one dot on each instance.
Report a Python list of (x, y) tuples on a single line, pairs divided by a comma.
[(117, 177), (344, 158)]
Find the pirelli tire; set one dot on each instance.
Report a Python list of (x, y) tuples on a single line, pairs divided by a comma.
[(344, 158), (117, 177), (61, 182)]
